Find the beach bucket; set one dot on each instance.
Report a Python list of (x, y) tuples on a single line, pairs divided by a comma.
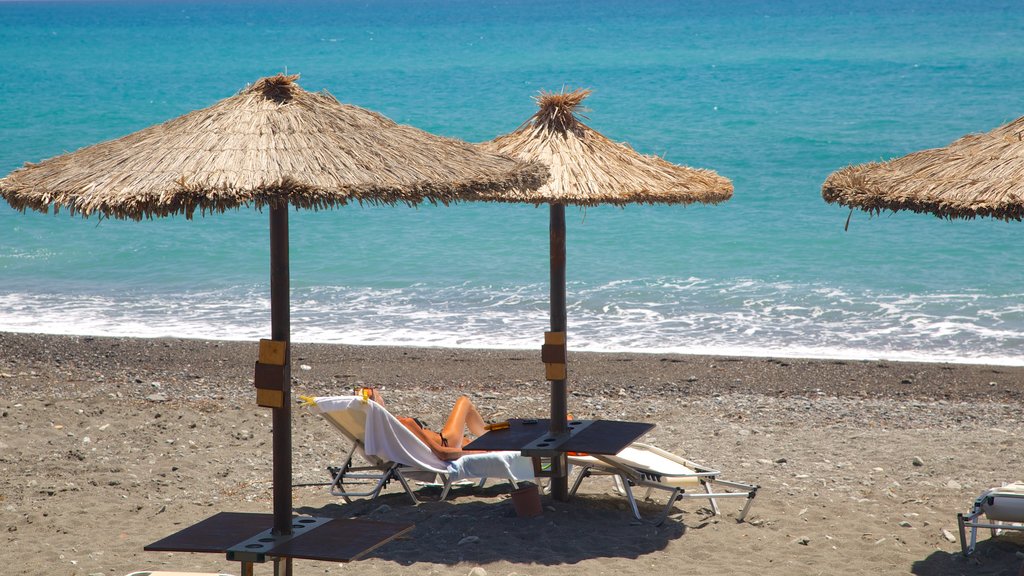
[(526, 501)]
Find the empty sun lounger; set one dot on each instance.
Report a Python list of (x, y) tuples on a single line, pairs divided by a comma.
[(1003, 508), (394, 453), (656, 469)]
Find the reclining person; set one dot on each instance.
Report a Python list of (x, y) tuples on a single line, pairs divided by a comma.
[(447, 444)]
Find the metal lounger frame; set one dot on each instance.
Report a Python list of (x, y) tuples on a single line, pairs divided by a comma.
[(383, 473), (970, 520), (625, 477)]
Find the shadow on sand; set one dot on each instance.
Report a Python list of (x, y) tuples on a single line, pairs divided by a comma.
[(478, 526), (992, 557)]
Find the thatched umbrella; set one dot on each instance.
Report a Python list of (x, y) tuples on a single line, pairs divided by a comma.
[(273, 144), (588, 169), (979, 175)]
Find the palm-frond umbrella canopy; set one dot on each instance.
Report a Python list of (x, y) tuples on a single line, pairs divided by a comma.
[(588, 169), (273, 144), (979, 175)]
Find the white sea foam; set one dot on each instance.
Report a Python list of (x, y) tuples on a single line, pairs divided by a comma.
[(738, 317)]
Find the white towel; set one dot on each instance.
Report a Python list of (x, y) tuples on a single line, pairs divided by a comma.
[(387, 438)]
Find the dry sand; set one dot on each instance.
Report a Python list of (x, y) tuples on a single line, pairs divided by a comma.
[(109, 444)]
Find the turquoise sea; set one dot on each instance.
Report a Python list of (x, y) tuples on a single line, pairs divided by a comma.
[(774, 95)]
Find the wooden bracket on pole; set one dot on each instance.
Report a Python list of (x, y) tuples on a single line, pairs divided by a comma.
[(553, 354), (272, 372)]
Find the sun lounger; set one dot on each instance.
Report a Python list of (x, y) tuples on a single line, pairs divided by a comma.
[(1003, 508), (656, 469), (392, 452)]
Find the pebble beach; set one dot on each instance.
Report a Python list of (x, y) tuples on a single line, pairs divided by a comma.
[(109, 444)]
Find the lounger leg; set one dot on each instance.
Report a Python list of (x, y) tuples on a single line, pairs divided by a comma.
[(746, 507), (972, 519), (629, 497), (963, 533), (339, 477), (391, 473), (660, 519), (447, 486), (668, 507), (336, 483), (714, 503), (395, 472), (636, 510), (620, 485), (584, 472)]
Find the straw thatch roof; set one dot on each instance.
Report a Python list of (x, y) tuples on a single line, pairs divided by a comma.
[(272, 142), (978, 175), (588, 168)]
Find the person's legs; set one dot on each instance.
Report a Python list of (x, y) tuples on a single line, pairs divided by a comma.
[(464, 415), (448, 444)]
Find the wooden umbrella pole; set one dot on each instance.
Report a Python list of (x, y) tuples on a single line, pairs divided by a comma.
[(559, 388), (280, 329)]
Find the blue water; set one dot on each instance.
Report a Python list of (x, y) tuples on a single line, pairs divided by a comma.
[(773, 95)]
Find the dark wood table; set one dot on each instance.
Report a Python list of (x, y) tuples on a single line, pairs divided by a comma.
[(549, 452), (246, 538), (533, 438)]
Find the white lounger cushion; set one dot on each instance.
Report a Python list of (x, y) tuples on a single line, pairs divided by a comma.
[(650, 467), (647, 459), (1015, 488), (1004, 504), (385, 437)]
